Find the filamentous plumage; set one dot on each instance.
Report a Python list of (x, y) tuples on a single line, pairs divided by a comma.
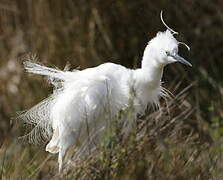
[(90, 94)]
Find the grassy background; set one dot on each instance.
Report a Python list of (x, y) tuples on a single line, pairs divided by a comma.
[(88, 33)]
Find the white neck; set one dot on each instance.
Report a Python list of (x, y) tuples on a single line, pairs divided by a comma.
[(147, 80), (151, 69)]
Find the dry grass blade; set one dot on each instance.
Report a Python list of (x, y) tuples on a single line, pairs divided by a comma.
[(163, 145)]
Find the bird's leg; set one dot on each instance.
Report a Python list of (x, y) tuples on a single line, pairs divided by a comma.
[(66, 140), (60, 158)]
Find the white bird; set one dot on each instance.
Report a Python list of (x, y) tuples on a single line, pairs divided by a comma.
[(89, 94)]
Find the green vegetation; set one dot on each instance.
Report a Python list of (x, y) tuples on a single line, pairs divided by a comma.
[(183, 140)]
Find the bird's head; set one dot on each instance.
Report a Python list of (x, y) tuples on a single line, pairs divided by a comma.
[(164, 47)]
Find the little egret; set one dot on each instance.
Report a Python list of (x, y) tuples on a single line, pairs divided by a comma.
[(87, 94)]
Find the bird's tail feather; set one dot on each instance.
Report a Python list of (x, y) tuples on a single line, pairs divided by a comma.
[(45, 71)]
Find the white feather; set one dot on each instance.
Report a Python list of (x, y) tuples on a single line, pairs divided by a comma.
[(79, 104)]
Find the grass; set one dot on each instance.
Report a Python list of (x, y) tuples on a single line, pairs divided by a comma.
[(169, 143), (162, 145)]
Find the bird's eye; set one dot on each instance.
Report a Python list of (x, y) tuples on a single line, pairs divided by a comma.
[(167, 53)]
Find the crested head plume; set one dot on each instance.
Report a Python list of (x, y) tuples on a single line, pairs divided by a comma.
[(170, 29)]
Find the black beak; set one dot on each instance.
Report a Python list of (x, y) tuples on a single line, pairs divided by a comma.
[(180, 59)]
